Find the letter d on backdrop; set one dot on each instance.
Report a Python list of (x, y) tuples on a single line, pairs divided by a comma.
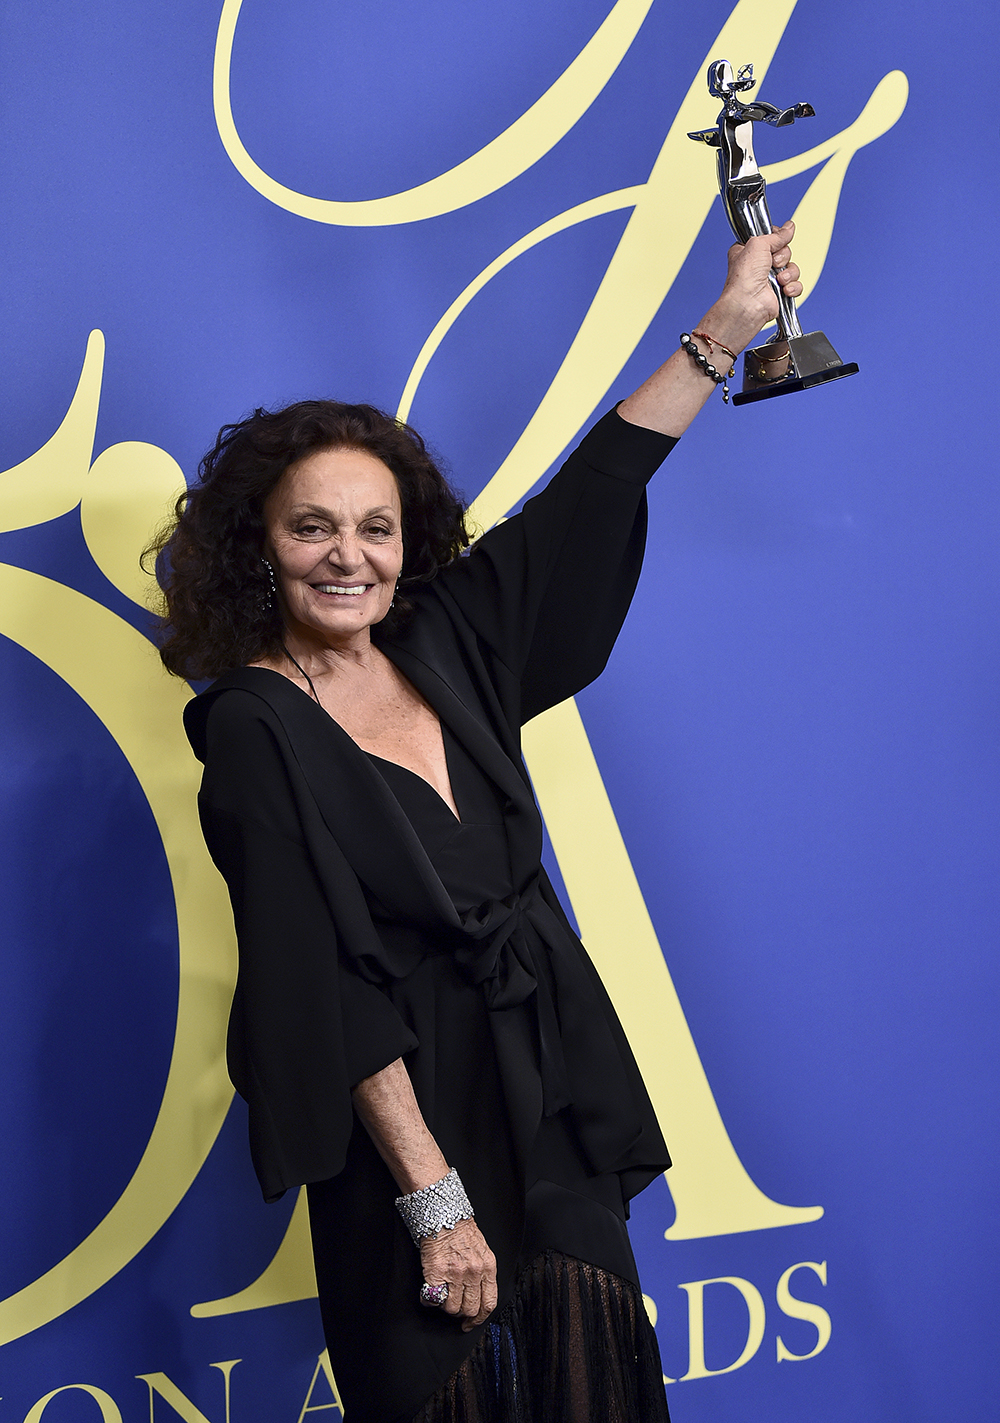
[(756, 1318)]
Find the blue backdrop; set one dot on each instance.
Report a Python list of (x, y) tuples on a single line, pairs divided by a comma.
[(797, 732)]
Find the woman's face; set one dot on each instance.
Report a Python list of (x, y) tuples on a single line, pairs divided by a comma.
[(334, 537)]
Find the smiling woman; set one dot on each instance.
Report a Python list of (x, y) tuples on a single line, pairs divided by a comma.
[(413, 1013)]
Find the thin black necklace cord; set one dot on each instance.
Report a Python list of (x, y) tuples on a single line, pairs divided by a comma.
[(304, 673)]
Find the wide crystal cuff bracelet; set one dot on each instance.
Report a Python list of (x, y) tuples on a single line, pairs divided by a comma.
[(439, 1206)]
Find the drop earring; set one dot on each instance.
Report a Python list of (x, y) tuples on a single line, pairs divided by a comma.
[(272, 597)]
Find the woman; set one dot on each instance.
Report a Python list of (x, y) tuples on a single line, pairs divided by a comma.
[(415, 1021)]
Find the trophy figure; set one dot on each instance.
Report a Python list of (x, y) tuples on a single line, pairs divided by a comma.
[(790, 360)]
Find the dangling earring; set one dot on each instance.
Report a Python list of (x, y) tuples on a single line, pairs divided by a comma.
[(272, 597)]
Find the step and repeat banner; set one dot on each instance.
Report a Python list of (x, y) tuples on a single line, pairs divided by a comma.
[(774, 816)]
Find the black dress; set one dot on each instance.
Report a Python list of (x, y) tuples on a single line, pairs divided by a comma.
[(574, 1343), (371, 926)]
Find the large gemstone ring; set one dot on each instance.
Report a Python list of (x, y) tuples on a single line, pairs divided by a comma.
[(433, 1295)]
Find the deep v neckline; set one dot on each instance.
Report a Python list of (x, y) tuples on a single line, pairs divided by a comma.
[(312, 696), (452, 808), (388, 761)]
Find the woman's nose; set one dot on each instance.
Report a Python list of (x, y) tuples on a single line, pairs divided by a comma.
[(345, 553)]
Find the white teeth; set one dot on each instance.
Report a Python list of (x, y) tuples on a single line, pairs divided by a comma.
[(354, 592)]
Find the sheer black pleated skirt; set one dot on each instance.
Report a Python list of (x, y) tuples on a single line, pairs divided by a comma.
[(573, 1346)]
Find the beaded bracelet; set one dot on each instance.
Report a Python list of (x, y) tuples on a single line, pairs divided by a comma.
[(688, 345), (439, 1206)]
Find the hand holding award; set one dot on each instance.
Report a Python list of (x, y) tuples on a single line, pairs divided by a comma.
[(791, 360)]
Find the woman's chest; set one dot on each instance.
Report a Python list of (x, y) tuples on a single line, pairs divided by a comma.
[(387, 717)]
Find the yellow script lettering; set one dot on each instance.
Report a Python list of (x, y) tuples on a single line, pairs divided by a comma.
[(509, 155), (813, 1314), (140, 706)]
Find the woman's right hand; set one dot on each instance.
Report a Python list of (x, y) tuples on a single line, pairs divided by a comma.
[(748, 302), (672, 396), (461, 1259)]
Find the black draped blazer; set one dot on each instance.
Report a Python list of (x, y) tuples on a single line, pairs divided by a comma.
[(351, 953)]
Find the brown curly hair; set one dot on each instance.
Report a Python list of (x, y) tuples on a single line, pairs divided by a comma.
[(217, 611)]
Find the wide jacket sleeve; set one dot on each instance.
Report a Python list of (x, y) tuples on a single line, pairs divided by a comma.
[(305, 1027), (548, 590)]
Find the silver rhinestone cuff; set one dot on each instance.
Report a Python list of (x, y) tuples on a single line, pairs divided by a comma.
[(439, 1206)]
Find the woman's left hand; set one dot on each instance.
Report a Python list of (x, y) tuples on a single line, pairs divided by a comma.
[(461, 1259)]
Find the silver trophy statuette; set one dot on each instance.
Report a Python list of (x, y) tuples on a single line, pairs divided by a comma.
[(791, 360)]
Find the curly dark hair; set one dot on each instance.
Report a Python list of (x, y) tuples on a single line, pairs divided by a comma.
[(217, 612)]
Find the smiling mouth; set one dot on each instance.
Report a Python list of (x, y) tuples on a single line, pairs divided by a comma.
[(353, 590)]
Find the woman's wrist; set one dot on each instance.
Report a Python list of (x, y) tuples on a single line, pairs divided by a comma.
[(731, 325), (439, 1206)]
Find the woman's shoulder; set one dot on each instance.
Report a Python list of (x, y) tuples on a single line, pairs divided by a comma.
[(238, 702)]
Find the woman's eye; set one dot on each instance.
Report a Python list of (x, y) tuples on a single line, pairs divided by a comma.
[(380, 531)]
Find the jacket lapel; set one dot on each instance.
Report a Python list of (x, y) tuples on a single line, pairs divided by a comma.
[(359, 810)]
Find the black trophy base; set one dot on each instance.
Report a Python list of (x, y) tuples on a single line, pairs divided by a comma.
[(813, 361)]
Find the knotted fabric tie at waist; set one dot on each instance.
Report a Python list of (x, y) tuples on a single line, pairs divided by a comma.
[(581, 1060), (500, 956), (518, 946)]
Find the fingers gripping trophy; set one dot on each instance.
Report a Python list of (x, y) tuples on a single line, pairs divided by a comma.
[(790, 360)]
